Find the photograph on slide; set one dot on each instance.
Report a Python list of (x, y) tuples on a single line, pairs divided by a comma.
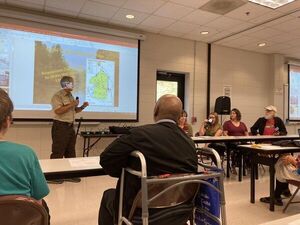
[(93, 70)]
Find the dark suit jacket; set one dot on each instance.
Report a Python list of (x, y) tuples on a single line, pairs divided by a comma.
[(167, 150), (260, 124)]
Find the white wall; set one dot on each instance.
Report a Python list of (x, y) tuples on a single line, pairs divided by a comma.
[(249, 74), (251, 78)]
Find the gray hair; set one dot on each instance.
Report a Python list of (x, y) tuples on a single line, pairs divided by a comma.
[(65, 80)]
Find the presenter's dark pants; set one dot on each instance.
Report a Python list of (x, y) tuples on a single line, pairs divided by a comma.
[(63, 140)]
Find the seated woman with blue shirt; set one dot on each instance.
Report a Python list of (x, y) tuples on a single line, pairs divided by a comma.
[(20, 171)]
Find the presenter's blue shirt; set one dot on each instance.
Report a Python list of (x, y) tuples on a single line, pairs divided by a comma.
[(20, 172)]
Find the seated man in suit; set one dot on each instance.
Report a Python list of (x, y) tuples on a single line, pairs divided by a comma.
[(167, 150)]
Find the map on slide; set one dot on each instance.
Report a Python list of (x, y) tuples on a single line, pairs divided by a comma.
[(100, 75)]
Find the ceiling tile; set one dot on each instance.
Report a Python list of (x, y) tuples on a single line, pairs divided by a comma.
[(279, 21), (200, 17), (264, 33), (277, 48), (288, 26), (295, 42), (123, 23), (147, 6), (229, 38), (223, 23), (148, 28), (171, 33), (173, 11), (248, 11), (238, 28), (112, 2), (196, 34), (220, 35), (93, 18), (70, 5), (158, 22), (265, 17), (196, 4), (283, 37), (36, 5), (138, 16), (61, 11), (241, 41), (182, 27), (99, 9), (38, 2)]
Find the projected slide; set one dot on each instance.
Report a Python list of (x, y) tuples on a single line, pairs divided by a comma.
[(105, 72), (294, 92)]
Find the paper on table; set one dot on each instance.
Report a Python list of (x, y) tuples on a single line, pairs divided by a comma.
[(84, 162)]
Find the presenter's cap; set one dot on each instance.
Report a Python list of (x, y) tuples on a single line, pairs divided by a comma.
[(271, 108)]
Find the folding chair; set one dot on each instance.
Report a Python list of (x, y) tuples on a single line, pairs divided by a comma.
[(21, 210), (297, 184), (169, 196)]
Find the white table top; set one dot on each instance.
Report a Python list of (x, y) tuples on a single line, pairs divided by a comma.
[(71, 164), (291, 220), (256, 137), (267, 147)]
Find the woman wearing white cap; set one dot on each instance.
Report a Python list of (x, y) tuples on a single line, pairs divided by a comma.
[(270, 124)]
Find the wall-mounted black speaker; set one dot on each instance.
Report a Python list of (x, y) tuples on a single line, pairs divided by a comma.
[(223, 105)]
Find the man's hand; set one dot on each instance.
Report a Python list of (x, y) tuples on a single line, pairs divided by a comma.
[(75, 103), (85, 104)]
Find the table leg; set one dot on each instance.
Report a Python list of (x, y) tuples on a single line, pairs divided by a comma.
[(228, 162), (240, 166), (252, 179), (88, 147), (272, 180), (84, 146), (256, 171)]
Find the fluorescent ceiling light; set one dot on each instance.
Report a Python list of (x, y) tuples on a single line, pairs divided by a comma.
[(274, 4), (129, 16), (204, 32), (261, 44)]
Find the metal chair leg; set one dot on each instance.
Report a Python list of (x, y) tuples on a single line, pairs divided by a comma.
[(290, 200)]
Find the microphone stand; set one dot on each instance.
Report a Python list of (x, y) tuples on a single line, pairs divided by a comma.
[(79, 125)]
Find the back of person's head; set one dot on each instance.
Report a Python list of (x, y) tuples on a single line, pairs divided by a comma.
[(6, 109), (65, 81), (168, 107)]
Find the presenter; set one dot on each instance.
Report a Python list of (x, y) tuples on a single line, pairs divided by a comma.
[(65, 106)]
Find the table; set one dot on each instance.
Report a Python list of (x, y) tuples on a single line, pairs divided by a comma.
[(258, 138), (228, 139), (290, 220), (265, 154), (54, 169), (87, 145)]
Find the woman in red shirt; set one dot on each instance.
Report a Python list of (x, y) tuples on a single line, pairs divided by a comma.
[(234, 127)]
